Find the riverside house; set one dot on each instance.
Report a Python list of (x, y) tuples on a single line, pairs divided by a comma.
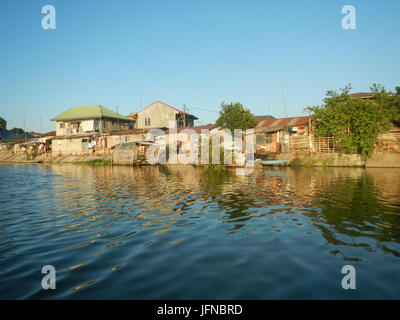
[(80, 130), (157, 115), (160, 115), (282, 135)]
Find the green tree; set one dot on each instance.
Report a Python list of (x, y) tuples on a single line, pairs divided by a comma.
[(355, 123), (234, 116), (398, 91), (17, 130), (3, 124)]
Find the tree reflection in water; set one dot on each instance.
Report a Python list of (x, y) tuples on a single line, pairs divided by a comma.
[(353, 211)]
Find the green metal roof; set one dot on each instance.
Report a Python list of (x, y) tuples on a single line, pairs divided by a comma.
[(88, 112)]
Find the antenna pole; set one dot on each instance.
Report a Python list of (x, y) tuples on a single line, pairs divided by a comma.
[(24, 125), (119, 127), (184, 116), (283, 98)]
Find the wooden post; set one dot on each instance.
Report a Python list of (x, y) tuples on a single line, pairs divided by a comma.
[(184, 116)]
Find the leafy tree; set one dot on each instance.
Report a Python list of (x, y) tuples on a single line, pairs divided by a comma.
[(234, 116), (3, 124), (17, 130), (398, 91), (355, 123)]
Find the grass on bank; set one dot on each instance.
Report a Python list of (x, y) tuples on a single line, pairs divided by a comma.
[(96, 162), (216, 168)]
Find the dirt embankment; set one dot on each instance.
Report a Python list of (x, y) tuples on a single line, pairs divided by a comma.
[(391, 160), (380, 160), (22, 158)]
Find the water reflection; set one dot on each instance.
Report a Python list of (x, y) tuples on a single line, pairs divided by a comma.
[(340, 202), (355, 210), (101, 222)]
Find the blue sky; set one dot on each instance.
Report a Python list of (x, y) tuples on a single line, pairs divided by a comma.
[(197, 53)]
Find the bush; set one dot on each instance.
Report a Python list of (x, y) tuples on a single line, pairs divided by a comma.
[(353, 122)]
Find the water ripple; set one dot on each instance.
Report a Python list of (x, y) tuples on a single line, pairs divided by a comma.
[(180, 232)]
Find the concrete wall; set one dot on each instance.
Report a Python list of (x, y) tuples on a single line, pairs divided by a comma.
[(159, 114), (325, 160), (67, 146), (388, 142)]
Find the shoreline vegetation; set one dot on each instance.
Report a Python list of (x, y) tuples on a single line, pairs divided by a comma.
[(95, 163)]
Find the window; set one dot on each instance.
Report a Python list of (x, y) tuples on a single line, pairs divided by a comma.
[(260, 138), (147, 122), (61, 125)]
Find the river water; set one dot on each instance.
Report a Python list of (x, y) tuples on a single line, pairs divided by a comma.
[(181, 232)]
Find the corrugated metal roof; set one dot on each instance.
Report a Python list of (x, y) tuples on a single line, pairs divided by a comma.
[(132, 115), (365, 95), (75, 136), (88, 112), (197, 129), (267, 129), (283, 122), (16, 137), (4, 134), (134, 131), (49, 134)]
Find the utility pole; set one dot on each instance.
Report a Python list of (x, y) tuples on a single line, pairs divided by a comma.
[(184, 116), (119, 127), (24, 125), (283, 97)]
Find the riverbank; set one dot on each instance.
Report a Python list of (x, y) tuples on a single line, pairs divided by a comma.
[(21, 158), (391, 160)]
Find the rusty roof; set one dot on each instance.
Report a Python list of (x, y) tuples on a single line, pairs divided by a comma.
[(283, 122), (49, 134), (197, 129), (365, 95), (133, 131), (74, 136)]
